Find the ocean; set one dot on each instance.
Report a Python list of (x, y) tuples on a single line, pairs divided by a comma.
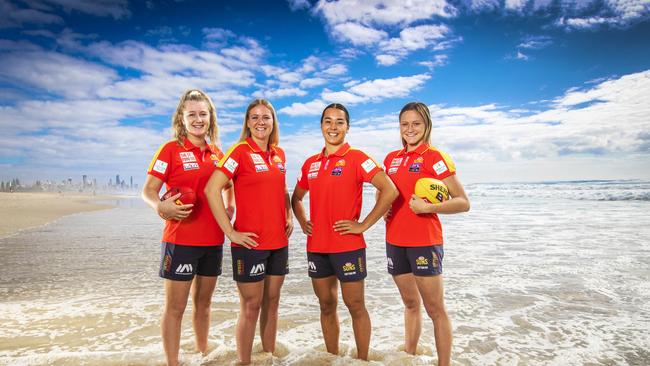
[(535, 274)]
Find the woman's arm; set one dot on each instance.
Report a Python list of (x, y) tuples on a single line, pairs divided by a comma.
[(218, 180), (387, 194), (288, 226), (299, 209), (167, 209), (457, 203)]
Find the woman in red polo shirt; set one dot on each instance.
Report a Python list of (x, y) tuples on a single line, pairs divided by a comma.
[(259, 237), (335, 246), (192, 241), (413, 230)]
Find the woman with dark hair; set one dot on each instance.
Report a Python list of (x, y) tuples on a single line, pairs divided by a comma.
[(192, 241), (335, 246), (413, 231), (259, 236)]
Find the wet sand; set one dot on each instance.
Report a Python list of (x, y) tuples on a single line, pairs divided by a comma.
[(24, 210)]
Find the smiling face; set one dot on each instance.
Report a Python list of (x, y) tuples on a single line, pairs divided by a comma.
[(196, 118), (260, 122), (334, 126), (412, 128)]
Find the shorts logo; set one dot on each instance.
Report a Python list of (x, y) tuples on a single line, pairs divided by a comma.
[(392, 170), (414, 168), (434, 260), (257, 269), (337, 171), (167, 263), (257, 159), (231, 165), (187, 157), (160, 166), (312, 266), (440, 167), (349, 269), (362, 268), (261, 168), (312, 175), (396, 162), (184, 269), (240, 267), (340, 162), (190, 166), (314, 166), (390, 262), (368, 165), (421, 262)]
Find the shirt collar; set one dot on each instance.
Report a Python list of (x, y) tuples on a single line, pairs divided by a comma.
[(257, 149), (419, 150), (340, 152), (188, 145)]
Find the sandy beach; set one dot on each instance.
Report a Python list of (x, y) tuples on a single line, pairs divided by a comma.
[(23, 210)]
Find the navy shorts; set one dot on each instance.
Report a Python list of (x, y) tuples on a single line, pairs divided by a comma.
[(250, 265), (347, 266), (182, 262), (421, 261)]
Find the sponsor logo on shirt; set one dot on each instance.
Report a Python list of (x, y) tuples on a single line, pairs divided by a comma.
[(231, 165), (440, 167), (184, 269), (277, 159), (160, 166), (187, 156), (414, 168), (214, 157), (257, 270), (257, 159), (312, 175), (340, 162), (392, 170), (419, 159), (261, 168), (281, 167), (314, 166), (368, 165), (396, 162), (190, 166), (337, 171)]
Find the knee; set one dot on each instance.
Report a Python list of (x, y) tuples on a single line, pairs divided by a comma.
[(436, 311), (327, 306), (251, 308), (411, 304), (357, 307), (175, 309), (272, 301)]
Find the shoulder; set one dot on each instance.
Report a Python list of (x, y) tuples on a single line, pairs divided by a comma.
[(237, 148), (279, 151), (310, 160), (439, 156), (391, 154)]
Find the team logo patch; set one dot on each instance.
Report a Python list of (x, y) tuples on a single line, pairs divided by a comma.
[(440, 167), (257, 159), (368, 165), (314, 166), (257, 270), (187, 156), (414, 168), (167, 263), (261, 168), (349, 269), (312, 175), (214, 157), (392, 170), (281, 167), (434, 260), (190, 166), (277, 159), (419, 159), (160, 166), (231, 165), (421, 262), (396, 162), (340, 162), (362, 268), (337, 171), (240, 267)]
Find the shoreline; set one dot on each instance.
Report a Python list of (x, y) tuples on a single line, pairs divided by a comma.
[(26, 210)]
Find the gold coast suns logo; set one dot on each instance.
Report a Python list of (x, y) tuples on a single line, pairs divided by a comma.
[(167, 263), (240, 267), (361, 266), (348, 267), (421, 261)]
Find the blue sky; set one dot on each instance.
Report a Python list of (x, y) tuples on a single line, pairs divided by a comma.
[(519, 90)]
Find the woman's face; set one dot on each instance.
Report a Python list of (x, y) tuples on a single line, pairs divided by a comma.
[(196, 118), (334, 126), (412, 128), (260, 122)]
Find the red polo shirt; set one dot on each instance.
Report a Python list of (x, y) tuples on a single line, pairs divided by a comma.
[(405, 228), (259, 180), (187, 166), (335, 185)]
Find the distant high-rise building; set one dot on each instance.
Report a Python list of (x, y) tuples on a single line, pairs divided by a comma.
[(110, 182), (131, 185), (84, 179), (117, 180)]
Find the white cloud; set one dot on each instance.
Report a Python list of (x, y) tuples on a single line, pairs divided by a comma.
[(279, 93), (336, 69), (415, 38), (383, 12), (358, 34), (299, 4), (313, 108), (13, 16), (342, 97), (312, 82), (438, 61), (386, 60), (389, 88), (117, 9)]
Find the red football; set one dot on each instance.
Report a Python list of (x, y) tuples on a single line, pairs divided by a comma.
[(187, 195)]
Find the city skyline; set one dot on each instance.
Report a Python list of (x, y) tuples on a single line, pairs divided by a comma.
[(518, 90)]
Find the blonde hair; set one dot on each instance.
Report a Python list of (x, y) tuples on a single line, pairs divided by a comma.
[(194, 95), (423, 111), (274, 139)]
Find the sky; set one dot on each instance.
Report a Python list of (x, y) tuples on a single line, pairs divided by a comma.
[(519, 90)]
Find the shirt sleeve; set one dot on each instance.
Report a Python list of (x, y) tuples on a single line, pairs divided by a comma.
[(229, 164), (160, 165), (442, 165), (368, 167), (303, 178)]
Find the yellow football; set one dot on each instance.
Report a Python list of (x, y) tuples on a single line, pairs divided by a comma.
[(432, 190)]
